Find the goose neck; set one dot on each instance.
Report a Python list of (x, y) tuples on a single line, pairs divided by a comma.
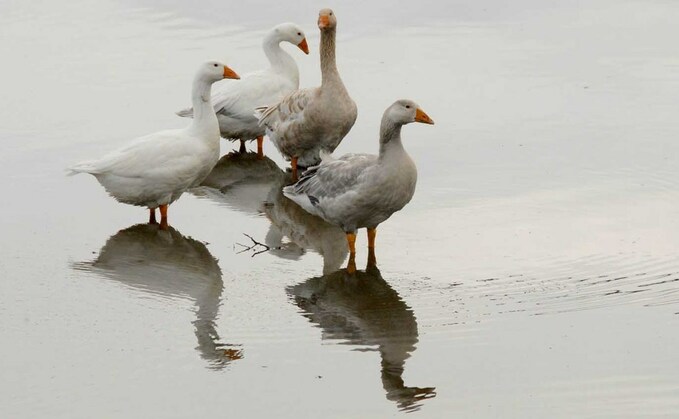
[(280, 61), (203, 112), (329, 71), (390, 136)]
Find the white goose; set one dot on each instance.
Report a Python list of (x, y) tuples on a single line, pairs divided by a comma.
[(363, 190), (234, 102), (309, 121), (153, 171)]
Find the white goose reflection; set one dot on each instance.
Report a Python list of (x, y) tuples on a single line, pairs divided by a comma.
[(240, 181), (362, 309), (166, 263), (252, 184)]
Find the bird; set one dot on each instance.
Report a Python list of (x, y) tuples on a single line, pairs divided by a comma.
[(309, 121), (155, 170), (363, 190), (234, 102)]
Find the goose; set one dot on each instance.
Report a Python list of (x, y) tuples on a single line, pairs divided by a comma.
[(155, 170), (234, 102), (309, 121), (363, 190)]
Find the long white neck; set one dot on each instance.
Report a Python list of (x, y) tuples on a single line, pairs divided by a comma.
[(204, 117), (281, 62)]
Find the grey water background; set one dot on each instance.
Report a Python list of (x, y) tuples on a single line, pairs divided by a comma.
[(534, 274)]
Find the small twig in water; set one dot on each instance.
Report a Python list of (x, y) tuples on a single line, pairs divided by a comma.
[(255, 245)]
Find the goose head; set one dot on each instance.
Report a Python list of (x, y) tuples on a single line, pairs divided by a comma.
[(326, 20), (406, 111), (289, 32), (213, 71)]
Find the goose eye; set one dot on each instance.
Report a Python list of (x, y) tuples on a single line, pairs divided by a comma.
[(215, 65), (407, 106), (299, 33)]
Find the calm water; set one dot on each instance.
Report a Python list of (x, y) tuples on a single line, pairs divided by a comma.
[(534, 274)]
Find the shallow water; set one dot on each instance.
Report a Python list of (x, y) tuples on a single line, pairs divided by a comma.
[(534, 274)]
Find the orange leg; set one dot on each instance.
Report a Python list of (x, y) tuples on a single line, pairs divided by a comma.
[(351, 241), (152, 216), (372, 260), (260, 146), (293, 163), (163, 217), (372, 232)]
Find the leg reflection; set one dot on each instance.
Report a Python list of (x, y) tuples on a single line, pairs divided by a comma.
[(152, 216)]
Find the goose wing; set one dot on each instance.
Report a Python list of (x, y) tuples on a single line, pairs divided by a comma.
[(332, 179), (287, 113)]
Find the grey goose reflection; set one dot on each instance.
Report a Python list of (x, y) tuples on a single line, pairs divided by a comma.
[(165, 263), (303, 229), (253, 185), (361, 309)]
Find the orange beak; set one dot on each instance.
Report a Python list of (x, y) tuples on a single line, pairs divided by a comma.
[(303, 46), (230, 74), (420, 116), (323, 21)]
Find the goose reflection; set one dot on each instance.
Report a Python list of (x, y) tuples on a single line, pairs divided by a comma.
[(361, 308), (240, 181), (168, 264), (303, 229), (251, 184)]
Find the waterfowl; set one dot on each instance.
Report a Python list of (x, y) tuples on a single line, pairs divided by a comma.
[(234, 102), (363, 190), (155, 170), (309, 121)]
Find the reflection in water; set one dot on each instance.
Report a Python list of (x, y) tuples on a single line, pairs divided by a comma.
[(250, 184), (362, 309), (305, 230), (165, 263), (240, 181)]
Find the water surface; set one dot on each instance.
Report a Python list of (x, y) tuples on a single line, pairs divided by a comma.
[(534, 274)]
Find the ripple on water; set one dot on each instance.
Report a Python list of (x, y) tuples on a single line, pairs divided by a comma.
[(458, 309)]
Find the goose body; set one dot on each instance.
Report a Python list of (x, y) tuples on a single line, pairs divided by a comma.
[(155, 170), (235, 101), (310, 121), (363, 190)]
